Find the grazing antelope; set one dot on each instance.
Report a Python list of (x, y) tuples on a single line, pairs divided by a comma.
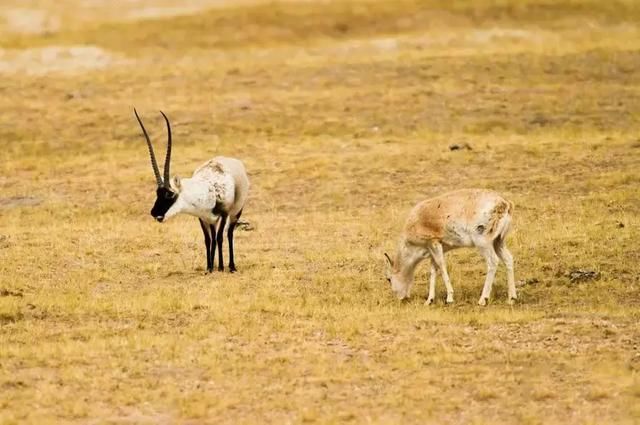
[(464, 218), (216, 191)]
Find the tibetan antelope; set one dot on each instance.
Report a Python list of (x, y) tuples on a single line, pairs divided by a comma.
[(215, 193), (464, 218)]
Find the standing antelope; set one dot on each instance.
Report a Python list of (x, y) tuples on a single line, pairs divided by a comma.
[(464, 218), (216, 191)]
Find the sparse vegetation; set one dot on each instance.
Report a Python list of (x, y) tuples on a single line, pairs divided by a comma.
[(342, 111)]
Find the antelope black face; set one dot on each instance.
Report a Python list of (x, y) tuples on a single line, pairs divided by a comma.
[(165, 199)]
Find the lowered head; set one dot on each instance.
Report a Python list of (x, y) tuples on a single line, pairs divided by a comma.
[(166, 192), (165, 198), (400, 285)]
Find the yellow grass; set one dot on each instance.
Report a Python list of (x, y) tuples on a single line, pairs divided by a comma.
[(343, 112)]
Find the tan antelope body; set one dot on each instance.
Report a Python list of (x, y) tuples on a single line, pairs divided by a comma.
[(464, 218)]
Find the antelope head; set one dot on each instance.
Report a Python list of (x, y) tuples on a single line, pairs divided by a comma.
[(168, 189)]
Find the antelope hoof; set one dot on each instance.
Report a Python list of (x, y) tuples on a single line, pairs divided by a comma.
[(449, 299), (429, 301), (232, 269), (220, 269), (483, 301), (512, 300)]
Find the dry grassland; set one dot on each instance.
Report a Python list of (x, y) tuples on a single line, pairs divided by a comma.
[(343, 112)]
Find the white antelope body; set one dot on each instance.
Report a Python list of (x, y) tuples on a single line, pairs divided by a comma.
[(464, 218), (215, 193)]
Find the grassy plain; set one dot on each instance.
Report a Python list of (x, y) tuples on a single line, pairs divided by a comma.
[(343, 112)]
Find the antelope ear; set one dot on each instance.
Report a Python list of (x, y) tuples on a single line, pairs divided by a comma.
[(175, 183), (388, 259)]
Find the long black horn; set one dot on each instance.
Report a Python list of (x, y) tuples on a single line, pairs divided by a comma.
[(154, 164), (167, 160)]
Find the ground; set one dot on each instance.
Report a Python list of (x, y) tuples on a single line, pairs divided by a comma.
[(343, 112)]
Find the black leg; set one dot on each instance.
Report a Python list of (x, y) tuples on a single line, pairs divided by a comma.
[(212, 243), (232, 226), (232, 264), (223, 222), (207, 244)]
